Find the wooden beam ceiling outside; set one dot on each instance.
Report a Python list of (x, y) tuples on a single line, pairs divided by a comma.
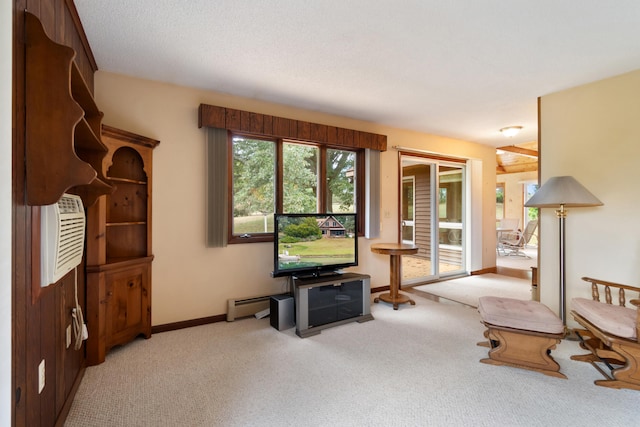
[(519, 150), (515, 159)]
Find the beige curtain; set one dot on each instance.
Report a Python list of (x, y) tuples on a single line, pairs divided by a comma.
[(372, 194), (216, 188)]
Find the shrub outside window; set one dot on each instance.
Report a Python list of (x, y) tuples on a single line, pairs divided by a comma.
[(253, 188), (269, 176)]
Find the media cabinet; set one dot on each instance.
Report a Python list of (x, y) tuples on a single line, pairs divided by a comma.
[(326, 301)]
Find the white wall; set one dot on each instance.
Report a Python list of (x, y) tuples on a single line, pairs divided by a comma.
[(191, 281), (6, 29), (591, 132)]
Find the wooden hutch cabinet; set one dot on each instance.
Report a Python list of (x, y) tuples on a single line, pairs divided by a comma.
[(119, 251)]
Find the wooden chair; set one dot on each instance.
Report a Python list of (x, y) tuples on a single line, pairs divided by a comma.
[(611, 333)]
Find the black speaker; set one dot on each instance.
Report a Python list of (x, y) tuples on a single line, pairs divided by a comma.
[(281, 312)]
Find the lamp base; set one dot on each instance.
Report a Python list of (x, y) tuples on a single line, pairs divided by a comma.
[(570, 334)]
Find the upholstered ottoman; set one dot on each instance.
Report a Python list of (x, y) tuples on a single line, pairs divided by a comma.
[(521, 334)]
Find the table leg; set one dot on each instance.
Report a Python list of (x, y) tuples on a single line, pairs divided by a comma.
[(394, 296), (395, 276)]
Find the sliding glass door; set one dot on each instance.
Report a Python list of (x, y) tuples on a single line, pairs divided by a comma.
[(451, 208), (408, 229), (432, 218)]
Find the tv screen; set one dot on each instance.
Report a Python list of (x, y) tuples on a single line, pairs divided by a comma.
[(314, 244)]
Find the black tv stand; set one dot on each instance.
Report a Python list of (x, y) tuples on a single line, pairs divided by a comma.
[(318, 274), (330, 300)]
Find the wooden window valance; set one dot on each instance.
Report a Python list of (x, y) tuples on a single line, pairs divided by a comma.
[(279, 127)]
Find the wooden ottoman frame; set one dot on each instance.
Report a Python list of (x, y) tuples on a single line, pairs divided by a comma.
[(514, 346)]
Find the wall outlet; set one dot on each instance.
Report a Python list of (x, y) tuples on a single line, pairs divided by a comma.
[(41, 377), (68, 336)]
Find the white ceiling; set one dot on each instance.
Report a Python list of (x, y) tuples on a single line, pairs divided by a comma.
[(462, 69)]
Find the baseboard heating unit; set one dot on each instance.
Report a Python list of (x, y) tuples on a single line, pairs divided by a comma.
[(237, 308)]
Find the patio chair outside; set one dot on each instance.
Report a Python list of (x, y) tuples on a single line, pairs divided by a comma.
[(505, 231), (509, 223), (514, 244)]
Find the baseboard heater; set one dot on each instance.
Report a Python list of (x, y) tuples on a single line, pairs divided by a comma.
[(237, 308)]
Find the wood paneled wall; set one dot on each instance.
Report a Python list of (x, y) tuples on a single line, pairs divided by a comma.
[(39, 324)]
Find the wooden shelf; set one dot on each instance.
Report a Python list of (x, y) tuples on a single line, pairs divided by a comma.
[(89, 193), (119, 263), (127, 180), (86, 139), (116, 224), (63, 147), (81, 93), (123, 261)]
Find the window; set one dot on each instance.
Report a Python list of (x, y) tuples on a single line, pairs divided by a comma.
[(274, 175), (253, 188), (442, 203), (341, 189), (499, 201), (300, 178), (529, 190)]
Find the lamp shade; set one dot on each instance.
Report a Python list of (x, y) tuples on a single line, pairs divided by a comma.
[(562, 191)]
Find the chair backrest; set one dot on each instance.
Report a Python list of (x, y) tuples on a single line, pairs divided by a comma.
[(509, 223), (529, 230)]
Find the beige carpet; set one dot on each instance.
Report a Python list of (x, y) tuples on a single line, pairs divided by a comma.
[(417, 366), (519, 262), (467, 290)]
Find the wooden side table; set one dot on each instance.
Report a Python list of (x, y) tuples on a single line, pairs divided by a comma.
[(395, 252)]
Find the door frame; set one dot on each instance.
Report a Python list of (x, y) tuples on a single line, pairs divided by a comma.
[(436, 161)]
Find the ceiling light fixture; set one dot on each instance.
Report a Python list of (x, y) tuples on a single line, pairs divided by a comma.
[(511, 131)]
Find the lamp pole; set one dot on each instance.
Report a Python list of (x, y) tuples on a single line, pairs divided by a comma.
[(562, 215)]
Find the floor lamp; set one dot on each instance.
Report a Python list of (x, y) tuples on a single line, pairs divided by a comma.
[(561, 192)]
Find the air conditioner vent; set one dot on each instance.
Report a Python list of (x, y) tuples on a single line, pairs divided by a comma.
[(63, 230)]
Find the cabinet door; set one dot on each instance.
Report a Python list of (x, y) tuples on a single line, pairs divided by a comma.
[(349, 300), (128, 308), (322, 305)]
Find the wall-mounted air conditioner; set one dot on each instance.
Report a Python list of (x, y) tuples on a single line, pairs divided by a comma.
[(62, 230)]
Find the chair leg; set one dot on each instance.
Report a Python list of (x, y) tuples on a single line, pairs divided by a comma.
[(627, 376), (623, 359), (518, 252)]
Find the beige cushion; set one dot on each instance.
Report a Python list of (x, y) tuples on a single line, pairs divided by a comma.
[(613, 319), (519, 314)]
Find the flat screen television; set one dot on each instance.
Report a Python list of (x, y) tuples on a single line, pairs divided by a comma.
[(314, 244)]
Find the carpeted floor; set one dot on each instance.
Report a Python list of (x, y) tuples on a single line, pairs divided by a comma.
[(467, 290), (416, 366), (518, 262)]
